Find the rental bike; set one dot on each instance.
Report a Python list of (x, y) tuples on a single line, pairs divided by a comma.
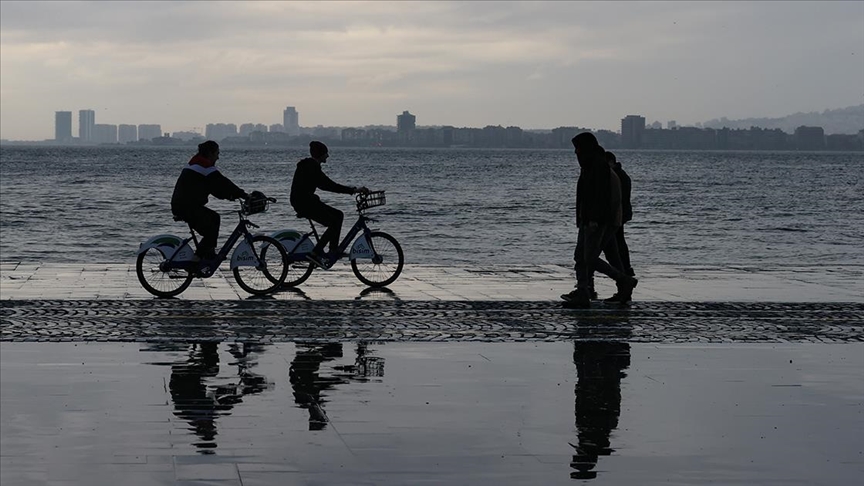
[(376, 257), (167, 264)]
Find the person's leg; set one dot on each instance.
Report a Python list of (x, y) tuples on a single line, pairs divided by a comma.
[(332, 219), (614, 269), (206, 222), (592, 246), (624, 251)]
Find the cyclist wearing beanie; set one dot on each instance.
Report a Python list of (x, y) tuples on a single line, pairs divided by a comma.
[(307, 178)]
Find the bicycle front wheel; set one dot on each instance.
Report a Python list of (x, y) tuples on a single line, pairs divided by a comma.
[(386, 263), (269, 273), (156, 281)]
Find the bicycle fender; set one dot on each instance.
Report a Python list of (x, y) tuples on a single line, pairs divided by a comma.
[(360, 249), (168, 244), (243, 255), (290, 239)]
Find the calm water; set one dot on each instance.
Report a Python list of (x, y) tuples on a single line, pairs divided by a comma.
[(454, 206)]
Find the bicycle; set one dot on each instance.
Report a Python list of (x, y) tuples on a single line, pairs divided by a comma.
[(376, 257), (166, 264)]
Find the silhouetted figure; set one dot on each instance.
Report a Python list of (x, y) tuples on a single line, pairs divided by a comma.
[(200, 404), (308, 383), (307, 178), (626, 215), (189, 393), (600, 367), (199, 180), (598, 216)]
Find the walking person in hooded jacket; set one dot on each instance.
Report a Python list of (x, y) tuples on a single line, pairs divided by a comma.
[(598, 216), (199, 180)]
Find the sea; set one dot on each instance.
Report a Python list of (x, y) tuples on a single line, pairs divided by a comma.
[(454, 206)]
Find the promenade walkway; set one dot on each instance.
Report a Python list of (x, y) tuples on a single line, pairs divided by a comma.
[(475, 376)]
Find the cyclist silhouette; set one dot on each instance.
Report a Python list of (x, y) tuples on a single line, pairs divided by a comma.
[(199, 180), (307, 178)]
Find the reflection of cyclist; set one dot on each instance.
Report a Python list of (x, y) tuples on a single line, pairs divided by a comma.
[(307, 178), (197, 181)]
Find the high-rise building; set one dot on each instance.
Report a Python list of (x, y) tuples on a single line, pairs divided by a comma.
[(291, 121), (405, 122), (127, 133), (149, 132), (103, 133), (220, 131), (86, 121), (63, 126), (632, 128)]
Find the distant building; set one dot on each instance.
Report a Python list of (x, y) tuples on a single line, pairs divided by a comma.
[(220, 131), (277, 128), (127, 133), (246, 129), (405, 122), (809, 138), (671, 124), (103, 133), (149, 132), (63, 126), (632, 128), (187, 136), (291, 121), (86, 121)]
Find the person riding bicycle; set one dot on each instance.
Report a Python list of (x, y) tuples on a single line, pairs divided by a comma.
[(197, 181), (307, 178)]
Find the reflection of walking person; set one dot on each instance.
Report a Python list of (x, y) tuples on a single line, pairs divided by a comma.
[(600, 366), (598, 216)]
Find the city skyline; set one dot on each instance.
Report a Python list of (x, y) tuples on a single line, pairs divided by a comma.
[(531, 64)]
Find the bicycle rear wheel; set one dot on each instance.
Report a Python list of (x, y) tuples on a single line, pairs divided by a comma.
[(271, 270), (386, 264), (156, 281), (298, 272)]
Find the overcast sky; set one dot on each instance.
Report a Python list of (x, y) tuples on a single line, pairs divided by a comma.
[(533, 64)]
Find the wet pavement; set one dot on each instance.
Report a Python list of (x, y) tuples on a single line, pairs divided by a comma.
[(57, 281), (452, 376), (362, 413)]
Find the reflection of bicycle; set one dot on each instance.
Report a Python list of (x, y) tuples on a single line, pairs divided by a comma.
[(376, 257), (166, 264)]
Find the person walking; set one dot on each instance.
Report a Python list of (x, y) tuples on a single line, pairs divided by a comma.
[(598, 216), (626, 216)]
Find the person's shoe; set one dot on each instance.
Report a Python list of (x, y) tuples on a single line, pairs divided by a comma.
[(570, 295), (577, 299), (316, 260), (625, 290), (615, 298)]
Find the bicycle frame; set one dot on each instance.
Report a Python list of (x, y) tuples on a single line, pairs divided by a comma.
[(359, 225), (237, 260)]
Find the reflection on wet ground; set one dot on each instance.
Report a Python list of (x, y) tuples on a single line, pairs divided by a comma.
[(603, 410)]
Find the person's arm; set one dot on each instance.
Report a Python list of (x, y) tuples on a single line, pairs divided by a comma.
[(222, 187), (327, 184)]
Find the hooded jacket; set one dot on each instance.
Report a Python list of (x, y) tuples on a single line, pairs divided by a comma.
[(199, 180), (307, 178), (593, 189)]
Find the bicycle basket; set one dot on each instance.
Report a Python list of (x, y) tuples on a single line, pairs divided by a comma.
[(370, 200), (257, 203)]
